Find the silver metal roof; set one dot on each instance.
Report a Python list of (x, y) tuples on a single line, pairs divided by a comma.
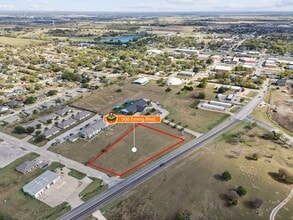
[(40, 182)]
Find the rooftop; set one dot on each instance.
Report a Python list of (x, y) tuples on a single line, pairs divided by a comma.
[(40, 182)]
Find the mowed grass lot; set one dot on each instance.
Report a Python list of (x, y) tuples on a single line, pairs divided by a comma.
[(192, 183), (93, 189), (11, 41), (15, 204), (120, 157), (148, 142), (178, 105)]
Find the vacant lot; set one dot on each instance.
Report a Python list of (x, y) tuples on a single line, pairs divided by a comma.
[(120, 157), (17, 41), (278, 111), (148, 143), (193, 183), (177, 104), (12, 197), (282, 113)]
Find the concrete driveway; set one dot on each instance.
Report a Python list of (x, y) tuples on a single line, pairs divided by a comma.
[(67, 189)]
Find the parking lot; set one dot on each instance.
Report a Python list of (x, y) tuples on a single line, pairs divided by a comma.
[(67, 189), (9, 153)]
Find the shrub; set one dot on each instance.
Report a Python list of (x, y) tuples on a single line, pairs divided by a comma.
[(30, 130), (234, 202), (226, 176), (256, 156), (241, 191), (168, 89), (285, 176), (119, 90)]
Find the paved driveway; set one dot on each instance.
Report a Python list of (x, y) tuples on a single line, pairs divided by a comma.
[(65, 190)]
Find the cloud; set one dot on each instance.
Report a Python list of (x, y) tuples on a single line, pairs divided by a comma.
[(7, 7), (260, 5), (148, 6), (187, 2)]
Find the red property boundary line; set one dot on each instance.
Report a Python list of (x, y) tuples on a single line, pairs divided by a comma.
[(92, 161)]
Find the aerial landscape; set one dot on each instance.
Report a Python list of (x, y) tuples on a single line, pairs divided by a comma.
[(146, 110)]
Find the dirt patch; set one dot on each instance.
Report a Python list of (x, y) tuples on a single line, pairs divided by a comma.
[(282, 108)]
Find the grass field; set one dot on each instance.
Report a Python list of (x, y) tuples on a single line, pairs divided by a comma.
[(83, 151), (76, 174), (93, 189), (19, 42), (148, 143), (12, 197), (252, 94), (193, 183), (178, 105)]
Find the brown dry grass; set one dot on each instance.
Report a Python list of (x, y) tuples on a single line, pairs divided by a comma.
[(192, 183)]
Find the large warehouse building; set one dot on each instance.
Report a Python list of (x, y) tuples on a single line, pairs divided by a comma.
[(37, 186)]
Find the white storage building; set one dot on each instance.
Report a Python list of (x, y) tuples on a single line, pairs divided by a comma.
[(37, 186), (186, 73), (213, 107), (223, 104), (141, 81)]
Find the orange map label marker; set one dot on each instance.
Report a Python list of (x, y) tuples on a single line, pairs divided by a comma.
[(113, 119)]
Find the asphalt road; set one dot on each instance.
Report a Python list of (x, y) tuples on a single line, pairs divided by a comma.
[(147, 172)]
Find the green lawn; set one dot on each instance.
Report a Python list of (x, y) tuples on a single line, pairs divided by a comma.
[(92, 190), (76, 174), (12, 196)]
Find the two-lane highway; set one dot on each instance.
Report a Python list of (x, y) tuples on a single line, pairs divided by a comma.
[(147, 172)]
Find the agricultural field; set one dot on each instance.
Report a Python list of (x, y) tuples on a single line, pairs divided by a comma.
[(11, 183), (18, 42), (178, 105), (84, 151), (184, 185)]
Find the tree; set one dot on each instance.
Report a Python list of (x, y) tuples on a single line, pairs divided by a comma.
[(49, 121), (285, 176), (19, 130), (257, 203), (30, 130), (184, 215), (241, 191), (30, 100), (201, 95), (38, 126), (226, 175), (203, 83), (168, 89), (40, 138), (196, 69), (35, 112)]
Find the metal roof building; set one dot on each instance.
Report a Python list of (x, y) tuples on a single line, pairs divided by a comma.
[(27, 166), (37, 186), (93, 129), (141, 81)]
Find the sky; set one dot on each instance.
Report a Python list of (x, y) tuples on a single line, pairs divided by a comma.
[(147, 5)]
